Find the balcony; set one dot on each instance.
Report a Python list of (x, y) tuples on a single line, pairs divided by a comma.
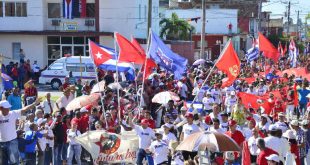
[(71, 25)]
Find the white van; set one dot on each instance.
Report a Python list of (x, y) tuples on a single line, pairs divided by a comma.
[(58, 70)]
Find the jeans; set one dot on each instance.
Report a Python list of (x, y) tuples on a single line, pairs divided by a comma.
[(64, 151), (48, 156), (76, 151), (9, 153), (30, 158), (40, 157), (141, 154), (57, 154)]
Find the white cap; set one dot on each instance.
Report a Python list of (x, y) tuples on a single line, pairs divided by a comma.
[(233, 93), (83, 110), (5, 104), (294, 122), (209, 93), (40, 121), (168, 125), (289, 134), (272, 127), (273, 157), (305, 122)]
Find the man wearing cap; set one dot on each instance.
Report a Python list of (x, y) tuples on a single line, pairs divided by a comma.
[(252, 144), (188, 129), (230, 102), (264, 152), (8, 141), (167, 134), (281, 123), (216, 113), (199, 92), (217, 94), (224, 123), (234, 133), (160, 150), (301, 139), (145, 136), (208, 102)]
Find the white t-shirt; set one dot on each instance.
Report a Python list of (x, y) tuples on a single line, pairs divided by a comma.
[(224, 126), (252, 146), (273, 143), (42, 141), (199, 92), (261, 91), (145, 136), (247, 132), (72, 135), (229, 103), (46, 107), (208, 102), (160, 150), (253, 92), (63, 101), (218, 116), (189, 129), (183, 90), (216, 95), (8, 125), (168, 137)]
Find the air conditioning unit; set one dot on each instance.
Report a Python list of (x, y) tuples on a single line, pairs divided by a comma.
[(56, 22), (184, 0), (89, 22)]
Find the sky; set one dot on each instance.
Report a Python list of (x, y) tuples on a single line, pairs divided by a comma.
[(278, 7)]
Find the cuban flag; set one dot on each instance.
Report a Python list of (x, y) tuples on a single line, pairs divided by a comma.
[(252, 53), (68, 9), (293, 53), (106, 58)]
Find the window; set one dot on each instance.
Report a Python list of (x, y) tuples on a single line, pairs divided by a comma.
[(90, 68), (90, 10), (16, 49), (75, 67), (56, 66), (53, 10), (15, 9), (54, 51), (1, 9), (10, 9)]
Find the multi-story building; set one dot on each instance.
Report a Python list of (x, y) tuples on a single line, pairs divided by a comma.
[(40, 29)]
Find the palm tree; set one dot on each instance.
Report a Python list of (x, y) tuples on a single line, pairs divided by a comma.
[(175, 29)]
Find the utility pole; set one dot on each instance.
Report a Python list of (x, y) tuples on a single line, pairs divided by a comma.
[(259, 15), (203, 29), (149, 18), (288, 17), (297, 23)]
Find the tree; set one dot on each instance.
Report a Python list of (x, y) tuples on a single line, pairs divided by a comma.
[(308, 18), (175, 29)]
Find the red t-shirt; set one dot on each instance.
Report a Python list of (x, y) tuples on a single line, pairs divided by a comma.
[(151, 123), (84, 123), (14, 71), (261, 158), (237, 136)]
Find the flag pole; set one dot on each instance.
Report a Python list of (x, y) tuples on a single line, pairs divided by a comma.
[(222, 53), (97, 78), (144, 72), (117, 81)]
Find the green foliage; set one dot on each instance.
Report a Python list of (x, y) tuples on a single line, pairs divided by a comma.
[(175, 29)]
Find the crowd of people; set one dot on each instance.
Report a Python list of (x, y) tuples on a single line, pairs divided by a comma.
[(43, 132)]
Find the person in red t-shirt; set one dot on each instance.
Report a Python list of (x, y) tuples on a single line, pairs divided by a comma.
[(234, 133), (84, 120), (264, 152), (149, 119), (112, 125), (276, 109)]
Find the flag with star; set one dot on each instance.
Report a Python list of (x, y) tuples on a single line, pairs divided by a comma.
[(105, 58)]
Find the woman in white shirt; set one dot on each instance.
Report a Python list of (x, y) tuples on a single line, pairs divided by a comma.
[(168, 135), (74, 147)]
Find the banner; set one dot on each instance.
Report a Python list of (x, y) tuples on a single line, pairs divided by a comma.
[(109, 147)]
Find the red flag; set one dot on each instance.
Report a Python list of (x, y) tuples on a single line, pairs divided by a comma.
[(150, 65), (138, 46), (269, 50), (83, 8), (246, 156), (295, 95), (251, 101), (229, 63), (280, 49), (128, 52), (98, 54)]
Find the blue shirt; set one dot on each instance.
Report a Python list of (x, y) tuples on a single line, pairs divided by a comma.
[(31, 148), (15, 101), (302, 95)]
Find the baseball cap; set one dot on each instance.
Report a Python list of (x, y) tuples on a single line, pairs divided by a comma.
[(273, 127), (233, 93), (232, 122), (5, 104), (41, 121), (83, 110), (208, 119), (294, 123), (289, 134), (224, 114), (168, 125), (281, 114), (305, 122), (144, 122), (273, 157), (189, 115)]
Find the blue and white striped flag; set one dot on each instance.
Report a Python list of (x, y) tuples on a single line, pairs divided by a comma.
[(293, 53), (252, 54)]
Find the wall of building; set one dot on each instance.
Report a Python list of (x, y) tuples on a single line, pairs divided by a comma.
[(34, 47), (217, 19), (184, 49), (33, 21)]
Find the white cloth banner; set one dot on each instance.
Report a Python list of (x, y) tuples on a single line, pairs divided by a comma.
[(109, 147)]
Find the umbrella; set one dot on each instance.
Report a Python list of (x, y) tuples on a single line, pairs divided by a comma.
[(99, 87), (82, 101), (199, 61), (164, 97), (214, 141), (116, 85)]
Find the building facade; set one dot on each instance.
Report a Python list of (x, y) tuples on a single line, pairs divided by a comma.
[(40, 29)]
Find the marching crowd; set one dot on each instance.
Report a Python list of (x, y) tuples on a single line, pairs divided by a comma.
[(43, 132)]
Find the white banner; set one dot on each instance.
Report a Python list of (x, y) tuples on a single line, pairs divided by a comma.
[(109, 147)]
